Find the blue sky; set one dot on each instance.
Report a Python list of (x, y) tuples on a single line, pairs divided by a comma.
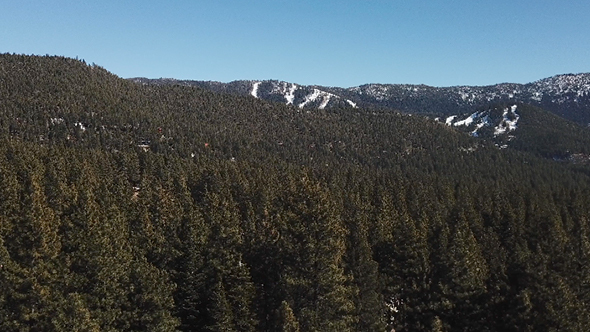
[(334, 43)]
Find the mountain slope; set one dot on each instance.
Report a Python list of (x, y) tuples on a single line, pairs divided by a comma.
[(565, 95), (271, 90), (525, 128)]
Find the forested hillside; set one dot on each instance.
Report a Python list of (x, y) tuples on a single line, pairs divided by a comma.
[(527, 128), (130, 207), (567, 96)]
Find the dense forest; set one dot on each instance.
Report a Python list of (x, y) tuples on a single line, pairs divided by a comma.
[(129, 207)]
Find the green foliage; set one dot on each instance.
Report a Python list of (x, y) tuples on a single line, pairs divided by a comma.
[(126, 207)]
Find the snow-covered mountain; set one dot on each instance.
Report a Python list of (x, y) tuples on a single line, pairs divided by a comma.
[(302, 96), (565, 95)]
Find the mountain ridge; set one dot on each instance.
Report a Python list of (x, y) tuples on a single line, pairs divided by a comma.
[(567, 95)]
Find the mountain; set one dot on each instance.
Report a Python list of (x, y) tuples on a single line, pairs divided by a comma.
[(547, 107), (277, 91), (565, 95)]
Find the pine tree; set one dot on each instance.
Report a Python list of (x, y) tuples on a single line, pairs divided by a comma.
[(34, 246), (437, 325), (368, 300), (75, 316), (403, 263), (96, 247), (151, 298), (289, 322), (220, 310), (224, 259), (313, 275), (468, 275), (189, 276)]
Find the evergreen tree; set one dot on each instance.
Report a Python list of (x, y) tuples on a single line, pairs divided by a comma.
[(220, 311), (468, 276), (313, 275), (368, 300), (224, 259), (289, 322), (403, 262)]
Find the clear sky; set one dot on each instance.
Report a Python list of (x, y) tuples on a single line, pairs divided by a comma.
[(333, 43)]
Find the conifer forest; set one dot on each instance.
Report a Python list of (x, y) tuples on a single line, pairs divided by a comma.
[(139, 207)]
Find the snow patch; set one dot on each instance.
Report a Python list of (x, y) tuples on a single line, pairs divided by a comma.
[(351, 103), (449, 120), (254, 91), (290, 95), (285, 89), (325, 101), (310, 98), (326, 96), (485, 121), (480, 119), (468, 121), (467, 96), (509, 121)]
